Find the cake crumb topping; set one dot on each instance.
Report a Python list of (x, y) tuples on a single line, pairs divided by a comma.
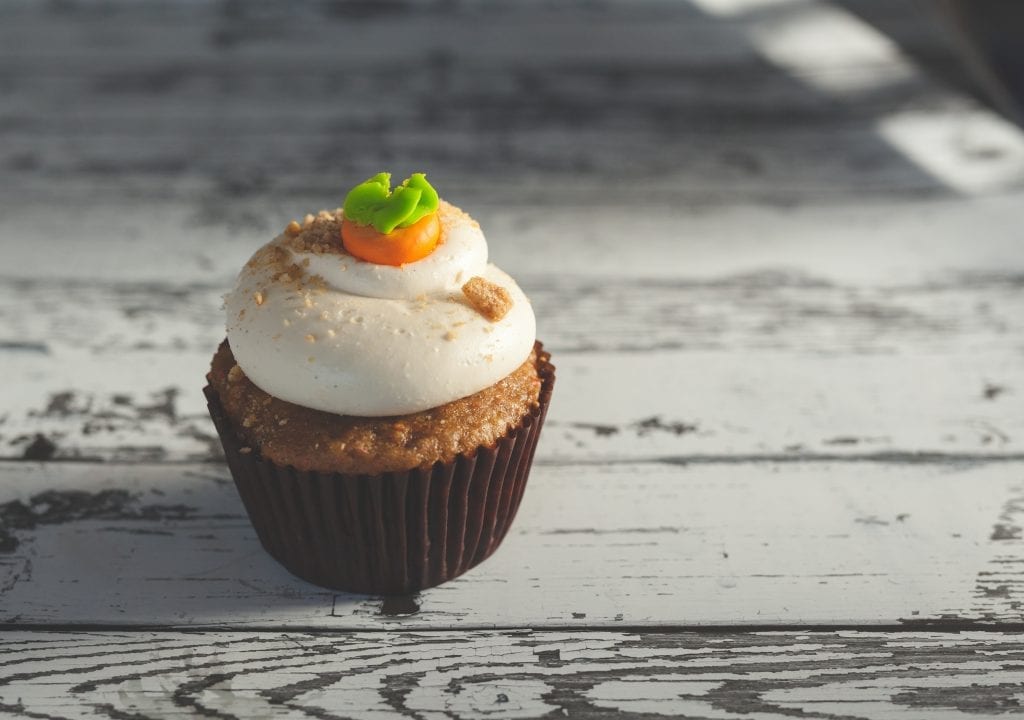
[(319, 234), (490, 300)]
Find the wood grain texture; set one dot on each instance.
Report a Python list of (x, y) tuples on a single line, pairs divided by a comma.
[(789, 398), (743, 364), (625, 545), (871, 242), (826, 675), (813, 415), (678, 100)]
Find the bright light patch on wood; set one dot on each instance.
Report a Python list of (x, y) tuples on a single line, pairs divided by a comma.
[(973, 152), (830, 50), (849, 55), (735, 9)]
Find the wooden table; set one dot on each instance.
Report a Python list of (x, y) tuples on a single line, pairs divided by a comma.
[(781, 273)]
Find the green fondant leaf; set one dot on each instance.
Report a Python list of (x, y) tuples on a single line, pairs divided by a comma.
[(427, 201), (373, 203)]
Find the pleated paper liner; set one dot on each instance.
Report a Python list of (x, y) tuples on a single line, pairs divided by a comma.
[(395, 532)]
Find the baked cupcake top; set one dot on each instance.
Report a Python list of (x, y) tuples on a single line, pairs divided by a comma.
[(386, 306)]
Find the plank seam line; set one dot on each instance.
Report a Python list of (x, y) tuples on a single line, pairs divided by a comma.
[(893, 457), (950, 626)]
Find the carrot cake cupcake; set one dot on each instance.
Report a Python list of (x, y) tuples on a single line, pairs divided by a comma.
[(380, 392)]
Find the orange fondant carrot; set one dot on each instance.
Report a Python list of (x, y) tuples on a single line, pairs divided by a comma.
[(398, 247)]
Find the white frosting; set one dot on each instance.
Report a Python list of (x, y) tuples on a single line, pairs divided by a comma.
[(462, 255), (376, 340)]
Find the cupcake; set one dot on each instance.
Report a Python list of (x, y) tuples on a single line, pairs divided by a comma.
[(380, 392)]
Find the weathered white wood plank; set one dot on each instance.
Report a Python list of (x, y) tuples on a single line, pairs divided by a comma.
[(146, 405), (870, 243), (767, 676), (773, 310), (811, 543), (770, 363), (643, 96)]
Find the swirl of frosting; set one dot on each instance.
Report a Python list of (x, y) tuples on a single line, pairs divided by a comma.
[(313, 325)]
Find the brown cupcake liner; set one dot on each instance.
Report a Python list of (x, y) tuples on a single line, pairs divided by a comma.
[(394, 532)]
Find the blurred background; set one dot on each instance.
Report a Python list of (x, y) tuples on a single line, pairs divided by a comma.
[(660, 175), (238, 115)]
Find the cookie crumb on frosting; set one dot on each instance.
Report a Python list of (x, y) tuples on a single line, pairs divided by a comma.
[(490, 300)]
